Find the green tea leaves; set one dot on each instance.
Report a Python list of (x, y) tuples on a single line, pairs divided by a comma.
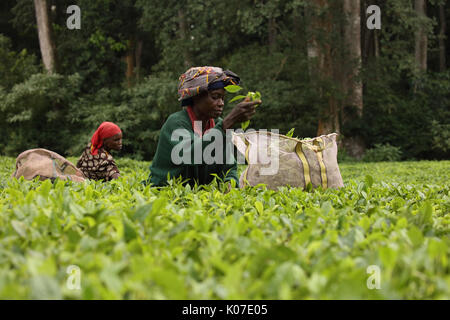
[(129, 230), (290, 133), (236, 98), (415, 236), (388, 256), (233, 88), (259, 207), (252, 96), (131, 241), (19, 227), (245, 124), (369, 181)]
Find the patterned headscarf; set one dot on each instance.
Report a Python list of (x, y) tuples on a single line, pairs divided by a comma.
[(105, 130), (199, 79)]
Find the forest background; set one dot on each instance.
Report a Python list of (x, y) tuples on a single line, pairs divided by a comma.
[(319, 67)]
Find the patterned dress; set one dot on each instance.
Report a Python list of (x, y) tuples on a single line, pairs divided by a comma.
[(99, 167)]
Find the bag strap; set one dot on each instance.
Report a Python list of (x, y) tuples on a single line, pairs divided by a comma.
[(317, 146), (247, 150), (301, 155), (61, 168), (55, 174)]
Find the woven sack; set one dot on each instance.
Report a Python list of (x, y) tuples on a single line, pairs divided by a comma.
[(277, 160), (45, 164)]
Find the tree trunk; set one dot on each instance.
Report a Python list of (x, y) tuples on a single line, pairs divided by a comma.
[(367, 35), (297, 29), (131, 63), (352, 38), (183, 34), (272, 31), (138, 58), (376, 43), (321, 64), (44, 27), (352, 108), (442, 31), (421, 39)]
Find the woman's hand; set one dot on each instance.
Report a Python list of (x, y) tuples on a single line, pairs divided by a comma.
[(115, 176), (241, 112)]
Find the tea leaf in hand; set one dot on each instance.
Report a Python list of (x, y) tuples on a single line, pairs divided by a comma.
[(244, 125), (233, 88), (237, 98)]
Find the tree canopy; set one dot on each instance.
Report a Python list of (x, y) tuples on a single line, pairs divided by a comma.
[(317, 64)]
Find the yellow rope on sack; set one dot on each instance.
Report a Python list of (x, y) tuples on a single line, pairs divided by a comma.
[(323, 169), (247, 151), (301, 155)]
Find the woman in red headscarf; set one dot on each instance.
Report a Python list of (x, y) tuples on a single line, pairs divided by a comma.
[(96, 162)]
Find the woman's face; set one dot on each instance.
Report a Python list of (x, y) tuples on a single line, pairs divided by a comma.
[(210, 104), (114, 142)]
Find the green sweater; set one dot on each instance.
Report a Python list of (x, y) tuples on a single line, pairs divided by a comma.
[(187, 144)]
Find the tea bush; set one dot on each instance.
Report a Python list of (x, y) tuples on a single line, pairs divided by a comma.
[(132, 241), (382, 152)]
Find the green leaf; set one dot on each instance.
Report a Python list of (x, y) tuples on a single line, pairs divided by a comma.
[(369, 180), (388, 256), (290, 133), (438, 249), (245, 124), (259, 207), (238, 97), (129, 231), (364, 223), (158, 205), (233, 88), (142, 212), (19, 227), (415, 235), (171, 282), (44, 288), (316, 282), (402, 223), (113, 282), (426, 212)]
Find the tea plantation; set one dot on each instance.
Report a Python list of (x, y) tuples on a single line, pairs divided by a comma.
[(127, 241)]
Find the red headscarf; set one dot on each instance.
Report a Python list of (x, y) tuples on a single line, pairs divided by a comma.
[(105, 130)]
